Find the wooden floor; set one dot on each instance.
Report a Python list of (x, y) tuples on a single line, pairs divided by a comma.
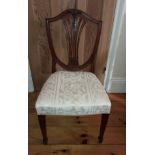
[(67, 134)]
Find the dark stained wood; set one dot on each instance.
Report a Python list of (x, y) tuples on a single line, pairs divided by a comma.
[(42, 123), (74, 20), (104, 120)]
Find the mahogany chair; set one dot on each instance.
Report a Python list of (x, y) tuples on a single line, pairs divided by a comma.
[(73, 92)]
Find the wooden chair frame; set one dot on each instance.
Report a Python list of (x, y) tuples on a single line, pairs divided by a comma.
[(73, 31)]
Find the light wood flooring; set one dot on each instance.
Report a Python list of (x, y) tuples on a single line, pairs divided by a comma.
[(66, 135)]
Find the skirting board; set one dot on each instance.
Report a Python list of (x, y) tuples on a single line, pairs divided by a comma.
[(117, 85)]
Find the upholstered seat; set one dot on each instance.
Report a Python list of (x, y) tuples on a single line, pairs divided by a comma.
[(72, 93)]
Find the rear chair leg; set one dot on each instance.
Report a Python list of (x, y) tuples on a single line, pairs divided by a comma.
[(104, 120), (42, 123)]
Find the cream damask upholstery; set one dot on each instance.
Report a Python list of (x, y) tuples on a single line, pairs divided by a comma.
[(72, 94)]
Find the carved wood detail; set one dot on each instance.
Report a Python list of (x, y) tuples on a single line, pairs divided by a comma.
[(74, 21)]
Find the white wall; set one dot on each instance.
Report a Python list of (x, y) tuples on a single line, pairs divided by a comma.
[(30, 83), (115, 77)]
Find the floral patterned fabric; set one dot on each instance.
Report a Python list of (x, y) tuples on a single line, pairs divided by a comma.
[(72, 93)]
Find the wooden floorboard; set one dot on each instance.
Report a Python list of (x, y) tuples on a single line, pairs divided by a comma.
[(73, 135), (77, 150), (66, 134)]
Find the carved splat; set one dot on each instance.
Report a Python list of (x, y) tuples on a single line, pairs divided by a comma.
[(74, 25), (73, 21)]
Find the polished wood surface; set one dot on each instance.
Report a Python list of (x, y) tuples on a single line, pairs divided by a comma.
[(42, 124), (104, 121), (74, 21), (66, 132)]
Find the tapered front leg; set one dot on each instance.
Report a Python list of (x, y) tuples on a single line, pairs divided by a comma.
[(42, 123), (104, 120)]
